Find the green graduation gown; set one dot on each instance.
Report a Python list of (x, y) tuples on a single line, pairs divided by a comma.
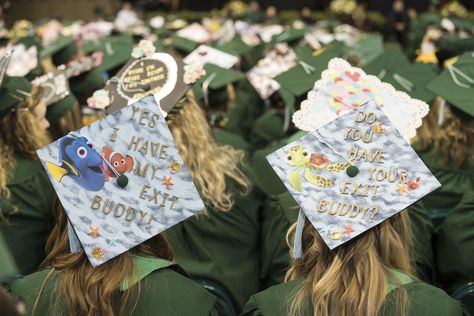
[(223, 247), (25, 218), (455, 245), (423, 299), (165, 291), (454, 182)]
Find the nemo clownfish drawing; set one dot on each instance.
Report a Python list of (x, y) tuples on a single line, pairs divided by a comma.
[(122, 164)]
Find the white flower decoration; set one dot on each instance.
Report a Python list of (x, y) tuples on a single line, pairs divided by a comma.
[(99, 100), (144, 49), (192, 73)]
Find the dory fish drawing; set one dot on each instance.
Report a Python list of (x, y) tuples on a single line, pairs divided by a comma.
[(78, 159)]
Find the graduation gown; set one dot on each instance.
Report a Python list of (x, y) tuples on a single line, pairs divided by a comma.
[(168, 291), (423, 299), (25, 217), (223, 247), (455, 245), (454, 182)]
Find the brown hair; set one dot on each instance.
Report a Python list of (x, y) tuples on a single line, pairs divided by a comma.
[(209, 164), (352, 278), (454, 138), (22, 134), (83, 290)]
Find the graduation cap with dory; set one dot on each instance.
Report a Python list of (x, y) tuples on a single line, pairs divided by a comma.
[(120, 180), (351, 174)]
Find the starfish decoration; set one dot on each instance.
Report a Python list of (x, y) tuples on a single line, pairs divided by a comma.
[(167, 182), (348, 230), (401, 189), (94, 231)]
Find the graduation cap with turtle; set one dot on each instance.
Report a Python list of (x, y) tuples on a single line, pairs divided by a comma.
[(351, 174), (120, 180), (147, 72)]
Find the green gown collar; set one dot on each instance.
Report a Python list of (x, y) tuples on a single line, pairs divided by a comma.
[(144, 267), (402, 280)]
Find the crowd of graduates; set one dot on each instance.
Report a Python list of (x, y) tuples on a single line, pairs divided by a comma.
[(53, 77)]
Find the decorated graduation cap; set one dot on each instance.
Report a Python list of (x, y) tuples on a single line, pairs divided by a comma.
[(277, 60), (56, 83), (148, 72), (343, 88), (351, 174), (120, 180), (456, 84)]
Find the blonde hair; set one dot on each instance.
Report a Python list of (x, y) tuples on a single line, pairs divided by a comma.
[(209, 164), (83, 290), (22, 134), (352, 278), (454, 138)]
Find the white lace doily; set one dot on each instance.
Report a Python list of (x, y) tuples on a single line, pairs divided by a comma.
[(343, 88)]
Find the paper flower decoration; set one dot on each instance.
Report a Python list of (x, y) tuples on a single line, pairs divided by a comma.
[(192, 73), (144, 49), (99, 100)]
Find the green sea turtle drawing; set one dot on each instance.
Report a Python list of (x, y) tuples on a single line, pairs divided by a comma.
[(298, 156)]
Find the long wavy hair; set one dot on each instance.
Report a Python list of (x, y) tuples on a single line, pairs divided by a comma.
[(454, 138), (352, 278), (209, 164), (83, 290), (21, 133)]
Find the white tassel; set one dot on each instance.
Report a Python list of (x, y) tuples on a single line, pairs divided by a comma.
[(297, 247)]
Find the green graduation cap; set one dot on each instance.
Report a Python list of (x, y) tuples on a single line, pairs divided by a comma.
[(212, 87), (413, 79), (391, 59), (235, 46), (60, 108), (117, 51), (301, 78), (290, 35), (369, 47), (13, 90), (62, 50), (456, 84), (84, 85), (183, 45), (9, 268)]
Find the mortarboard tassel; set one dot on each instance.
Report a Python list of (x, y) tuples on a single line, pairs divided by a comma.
[(74, 243), (404, 82), (441, 110), (205, 87), (453, 71), (297, 246)]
